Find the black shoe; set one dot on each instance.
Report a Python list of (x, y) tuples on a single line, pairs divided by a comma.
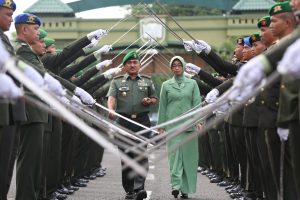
[(140, 195), (79, 184), (205, 172), (71, 187), (184, 195), (216, 180), (89, 177), (230, 187), (130, 195), (236, 195), (99, 174), (63, 190), (224, 183), (60, 196), (82, 180), (175, 193)]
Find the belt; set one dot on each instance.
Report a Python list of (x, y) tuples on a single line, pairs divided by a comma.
[(134, 115)]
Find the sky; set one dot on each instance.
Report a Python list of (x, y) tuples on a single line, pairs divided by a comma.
[(109, 12)]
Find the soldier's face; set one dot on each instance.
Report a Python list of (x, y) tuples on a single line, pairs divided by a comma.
[(31, 33), (295, 5), (132, 67), (39, 47), (247, 54), (266, 36), (257, 48), (278, 26), (6, 18), (239, 52), (177, 67)]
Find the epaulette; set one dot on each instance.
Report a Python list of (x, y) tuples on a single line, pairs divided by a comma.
[(146, 76), (119, 76), (19, 45)]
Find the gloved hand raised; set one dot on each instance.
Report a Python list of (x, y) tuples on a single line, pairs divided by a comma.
[(103, 64), (198, 46), (104, 49), (191, 68), (54, 85), (111, 72), (212, 96), (75, 101), (283, 133), (8, 88), (84, 96), (187, 75), (97, 34), (290, 63)]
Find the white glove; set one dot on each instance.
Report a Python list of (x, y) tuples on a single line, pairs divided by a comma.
[(190, 67), (54, 85), (97, 34), (33, 75), (239, 94), (251, 73), (75, 101), (198, 46), (222, 109), (283, 133), (111, 72), (103, 64), (290, 63), (64, 100), (8, 88), (187, 75), (84, 96), (104, 49), (212, 96), (4, 57)]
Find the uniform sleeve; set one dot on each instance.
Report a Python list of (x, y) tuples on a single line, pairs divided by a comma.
[(85, 77), (209, 79), (204, 88), (93, 82), (29, 57), (112, 89), (196, 95), (225, 86), (162, 105)]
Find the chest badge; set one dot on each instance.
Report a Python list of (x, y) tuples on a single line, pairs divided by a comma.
[(124, 94)]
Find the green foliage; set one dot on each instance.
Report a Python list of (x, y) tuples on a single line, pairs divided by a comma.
[(227, 48), (175, 10)]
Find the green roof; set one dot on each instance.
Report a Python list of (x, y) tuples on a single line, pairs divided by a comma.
[(50, 7), (252, 5)]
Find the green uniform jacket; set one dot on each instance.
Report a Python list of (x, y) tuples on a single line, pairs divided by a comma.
[(130, 93), (183, 163), (10, 113), (24, 51)]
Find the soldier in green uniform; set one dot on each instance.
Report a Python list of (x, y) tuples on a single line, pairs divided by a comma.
[(131, 95), (32, 132), (11, 114)]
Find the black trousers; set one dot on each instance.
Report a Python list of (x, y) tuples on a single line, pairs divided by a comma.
[(29, 161), (132, 181), (8, 150)]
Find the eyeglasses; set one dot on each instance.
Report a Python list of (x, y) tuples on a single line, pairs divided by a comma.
[(179, 65)]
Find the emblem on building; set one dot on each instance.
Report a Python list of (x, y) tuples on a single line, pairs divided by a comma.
[(153, 28)]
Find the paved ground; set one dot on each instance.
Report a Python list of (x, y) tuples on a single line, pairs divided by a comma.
[(109, 187)]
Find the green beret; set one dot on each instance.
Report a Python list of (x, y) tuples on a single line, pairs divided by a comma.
[(42, 33), (27, 18), (254, 38), (132, 55), (264, 22), (280, 8), (8, 4), (49, 41)]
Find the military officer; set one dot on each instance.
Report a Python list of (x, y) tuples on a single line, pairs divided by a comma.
[(131, 95), (11, 114)]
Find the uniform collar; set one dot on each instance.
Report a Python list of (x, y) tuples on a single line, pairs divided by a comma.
[(126, 76)]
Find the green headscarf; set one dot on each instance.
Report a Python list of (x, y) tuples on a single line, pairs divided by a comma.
[(179, 78)]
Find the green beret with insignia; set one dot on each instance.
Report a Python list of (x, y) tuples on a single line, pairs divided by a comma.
[(280, 8), (8, 4), (264, 22), (49, 41), (27, 18), (42, 33), (132, 55), (254, 38)]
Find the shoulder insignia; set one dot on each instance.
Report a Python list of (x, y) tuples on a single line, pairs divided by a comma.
[(120, 76), (145, 76)]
